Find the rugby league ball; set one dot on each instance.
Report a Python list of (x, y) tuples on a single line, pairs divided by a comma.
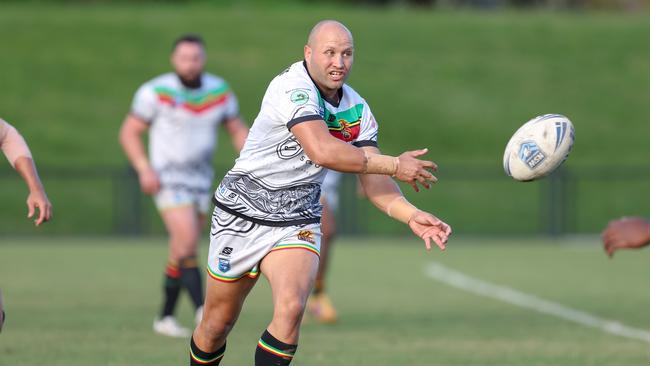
[(538, 147)]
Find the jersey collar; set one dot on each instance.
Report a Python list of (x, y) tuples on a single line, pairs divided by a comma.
[(191, 84), (322, 95)]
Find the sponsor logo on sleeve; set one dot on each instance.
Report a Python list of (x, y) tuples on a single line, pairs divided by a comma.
[(299, 97)]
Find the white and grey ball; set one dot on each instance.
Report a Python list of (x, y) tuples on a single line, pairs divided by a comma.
[(538, 147)]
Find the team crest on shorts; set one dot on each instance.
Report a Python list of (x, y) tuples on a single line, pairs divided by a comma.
[(224, 265), (306, 235)]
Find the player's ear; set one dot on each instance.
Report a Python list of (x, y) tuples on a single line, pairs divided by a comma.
[(307, 51)]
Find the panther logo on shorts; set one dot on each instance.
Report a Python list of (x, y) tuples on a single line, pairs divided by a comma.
[(306, 235), (224, 265)]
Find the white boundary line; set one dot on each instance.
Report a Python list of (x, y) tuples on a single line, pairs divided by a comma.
[(462, 281)]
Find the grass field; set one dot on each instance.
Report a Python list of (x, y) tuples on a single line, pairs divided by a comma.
[(91, 302)]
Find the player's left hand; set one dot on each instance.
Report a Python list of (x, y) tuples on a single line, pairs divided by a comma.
[(38, 200), (414, 171), (627, 232), (429, 227)]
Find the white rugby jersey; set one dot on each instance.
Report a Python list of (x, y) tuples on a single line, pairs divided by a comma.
[(273, 181), (183, 132)]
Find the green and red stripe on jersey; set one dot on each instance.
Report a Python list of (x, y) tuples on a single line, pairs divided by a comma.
[(345, 125), (192, 101)]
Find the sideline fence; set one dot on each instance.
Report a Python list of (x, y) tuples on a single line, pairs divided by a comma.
[(475, 199)]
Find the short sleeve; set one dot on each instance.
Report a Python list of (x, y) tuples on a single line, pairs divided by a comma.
[(144, 104), (369, 129), (297, 102), (232, 107)]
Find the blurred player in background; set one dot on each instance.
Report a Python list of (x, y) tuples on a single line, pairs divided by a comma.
[(320, 306), (17, 152), (2, 313), (626, 233), (267, 215), (181, 111)]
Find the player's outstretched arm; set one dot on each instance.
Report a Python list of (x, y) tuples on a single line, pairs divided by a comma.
[(387, 197), (131, 140), (324, 149), (626, 233), (17, 152), (37, 199), (238, 132)]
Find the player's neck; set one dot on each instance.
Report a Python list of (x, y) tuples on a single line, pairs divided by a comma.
[(190, 83), (333, 97), (330, 95)]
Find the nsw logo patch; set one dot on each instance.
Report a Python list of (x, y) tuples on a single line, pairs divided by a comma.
[(224, 265), (531, 154)]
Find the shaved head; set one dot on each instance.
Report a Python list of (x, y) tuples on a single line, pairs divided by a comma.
[(328, 27), (329, 54)]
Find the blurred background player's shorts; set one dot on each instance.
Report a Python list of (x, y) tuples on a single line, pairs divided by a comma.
[(330, 189), (169, 198)]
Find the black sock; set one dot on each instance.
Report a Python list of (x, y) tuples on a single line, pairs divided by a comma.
[(191, 279), (172, 288), (272, 352), (198, 357)]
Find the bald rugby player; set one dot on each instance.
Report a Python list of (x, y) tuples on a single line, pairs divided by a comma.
[(267, 211)]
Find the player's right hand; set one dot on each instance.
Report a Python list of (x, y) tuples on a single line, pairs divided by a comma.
[(149, 182), (38, 200), (626, 233), (413, 170)]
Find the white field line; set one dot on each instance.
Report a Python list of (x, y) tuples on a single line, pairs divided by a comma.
[(506, 294)]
